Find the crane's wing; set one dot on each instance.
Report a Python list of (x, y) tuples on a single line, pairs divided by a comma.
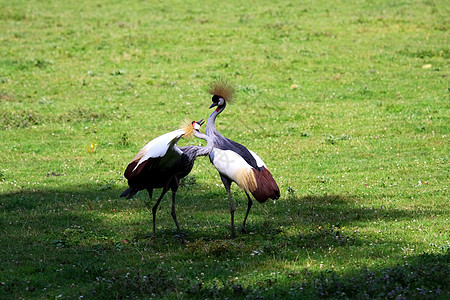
[(161, 152), (256, 180), (259, 161), (226, 144), (266, 185)]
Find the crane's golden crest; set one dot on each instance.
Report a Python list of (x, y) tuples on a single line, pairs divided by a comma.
[(187, 127), (223, 89)]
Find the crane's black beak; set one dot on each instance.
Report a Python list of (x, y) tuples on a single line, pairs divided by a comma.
[(213, 104), (201, 122)]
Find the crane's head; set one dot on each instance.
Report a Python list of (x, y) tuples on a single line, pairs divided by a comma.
[(217, 101), (196, 125), (189, 127), (222, 92)]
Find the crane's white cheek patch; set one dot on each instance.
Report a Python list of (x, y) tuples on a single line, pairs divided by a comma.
[(235, 167)]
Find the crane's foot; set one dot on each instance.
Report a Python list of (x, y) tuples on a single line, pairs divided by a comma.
[(243, 230), (233, 232), (181, 236), (150, 236)]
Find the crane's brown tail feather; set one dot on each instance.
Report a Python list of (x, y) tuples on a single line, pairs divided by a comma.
[(129, 193), (266, 186), (131, 172)]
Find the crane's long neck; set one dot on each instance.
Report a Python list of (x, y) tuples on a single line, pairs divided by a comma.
[(203, 151), (211, 130)]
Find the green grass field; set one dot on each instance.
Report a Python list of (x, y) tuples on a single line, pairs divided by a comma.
[(347, 103)]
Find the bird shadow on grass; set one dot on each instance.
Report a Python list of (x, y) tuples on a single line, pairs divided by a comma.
[(101, 219), (89, 228), (205, 211)]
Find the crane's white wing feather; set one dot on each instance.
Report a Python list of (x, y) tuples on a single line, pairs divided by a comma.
[(258, 159), (163, 146), (228, 162)]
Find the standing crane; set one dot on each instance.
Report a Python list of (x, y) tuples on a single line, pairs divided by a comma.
[(235, 162), (161, 164)]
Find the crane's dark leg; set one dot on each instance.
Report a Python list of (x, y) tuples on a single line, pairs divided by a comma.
[(155, 207), (250, 203), (150, 193), (175, 184), (227, 183)]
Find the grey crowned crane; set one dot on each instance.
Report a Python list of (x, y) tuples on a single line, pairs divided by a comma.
[(161, 164), (235, 162)]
